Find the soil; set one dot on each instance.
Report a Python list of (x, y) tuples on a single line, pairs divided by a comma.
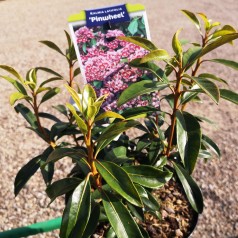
[(23, 23)]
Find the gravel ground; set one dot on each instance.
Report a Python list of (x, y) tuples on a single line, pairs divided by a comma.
[(24, 22)]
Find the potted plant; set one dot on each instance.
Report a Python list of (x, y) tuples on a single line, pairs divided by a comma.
[(116, 178)]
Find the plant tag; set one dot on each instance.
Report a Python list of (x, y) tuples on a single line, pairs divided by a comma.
[(104, 59)]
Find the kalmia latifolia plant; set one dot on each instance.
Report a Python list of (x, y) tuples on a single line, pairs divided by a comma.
[(114, 175)]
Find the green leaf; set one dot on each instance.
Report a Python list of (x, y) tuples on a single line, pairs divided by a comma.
[(148, 176), (177, 47), (29, 169), (205, 20), (20, 88), (75, 97), (50, 80), (113, 131), (142, 42), (119, 181), (229, 95), (190, 56), (188, 139), (77, 72), (153, 68), (18, 96), (229, 63), (219, 42), (140, 88), (81, 124), (138, 112), (212, 76), (208, 87), (25, 173), (60, 153), (109, 114), (118, 155), (192, 17), (158, 54), (51, 93), (211, 145), (27, 114), (119, 217), (133, 26), (53, 46), (156, 147), (190, 187), (47, 171), (49, 116), (12, 71), (47, 70), (92, 222), (77, 211), (61, 187)]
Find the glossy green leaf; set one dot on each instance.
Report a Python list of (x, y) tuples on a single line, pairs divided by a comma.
[(119, 180), (20, 88), (153, 68), (192, 17), (49, 116), (51, 93), (191, 55), (158, 54), (228, 63), (118, 155), (177, 47), (12, 71), (156, 147), (208, 87), (138, 112), (18, 96), (219, 42), (75, 97), (25, 173), (47, 70), (229, 95), (32, 77), (50, 80), (190, 95), (137, 212), (29, 169), (53, 46), (92, 222), (111, 233), (140, 88), (114, 130), (119, 217), (109, 114), (81, 124), (212, 76), (148, 176), (47, 172), (190, 187), (142, 42), (205, 20), (42, 89), (211, 145), (60, 153), (27, 114), (77, 72), (89, 92), (77, 211), (188, 133), (151, 204), (61, 187)]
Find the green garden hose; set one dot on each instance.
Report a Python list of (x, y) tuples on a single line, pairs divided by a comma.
[(32, 229)]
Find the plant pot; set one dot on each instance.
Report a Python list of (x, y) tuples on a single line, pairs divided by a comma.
[(178, 219)]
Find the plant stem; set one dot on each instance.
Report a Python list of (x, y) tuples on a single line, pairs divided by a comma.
[(177, 94)]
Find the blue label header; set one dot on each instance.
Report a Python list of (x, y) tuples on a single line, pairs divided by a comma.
[(114, 14)]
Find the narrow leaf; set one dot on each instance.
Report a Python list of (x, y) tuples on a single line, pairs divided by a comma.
[(51, 93), (140, 88), (142, 42), (12, 71), (212, 76), (109, 114), (53, 46), (191, 189), (77, 211), (148, 176), (229, 95), (211, 145), (119, 217), (18, 96), (192, 17), (191, 55), (229, 63), (119, 181), (158, 54), (177, 47)]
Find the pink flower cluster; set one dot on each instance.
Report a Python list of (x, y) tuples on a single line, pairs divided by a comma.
[(106, 61)]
